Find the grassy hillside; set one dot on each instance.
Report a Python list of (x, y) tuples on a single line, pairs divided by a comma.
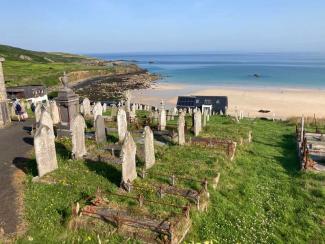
[(262, 196), (24, 67)]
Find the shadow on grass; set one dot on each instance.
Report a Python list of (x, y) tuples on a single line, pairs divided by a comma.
[(106, 170), (289, 159), (62, 150)]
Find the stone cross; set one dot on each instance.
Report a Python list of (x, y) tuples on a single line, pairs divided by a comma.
[(55, 114), (128, 153), (46, 119), (86, 107), (122, 125), (197, 122), (181, 128), (149, 150), (100, 130), (78, 137), (97, 110), (44, 144)]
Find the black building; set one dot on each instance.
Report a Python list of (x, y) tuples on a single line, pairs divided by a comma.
[(216, 103)]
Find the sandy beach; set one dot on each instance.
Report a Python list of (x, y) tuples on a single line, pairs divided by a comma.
[(282, 102)]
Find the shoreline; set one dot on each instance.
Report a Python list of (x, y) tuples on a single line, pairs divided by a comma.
[(282, 102)]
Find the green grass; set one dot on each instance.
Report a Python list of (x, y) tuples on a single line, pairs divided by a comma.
[(46, 68), (262, 196)]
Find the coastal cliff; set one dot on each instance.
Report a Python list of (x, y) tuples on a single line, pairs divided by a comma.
[(25, 67)]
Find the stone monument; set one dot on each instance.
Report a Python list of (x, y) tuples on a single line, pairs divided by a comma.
[(68, 103), (4, 109)]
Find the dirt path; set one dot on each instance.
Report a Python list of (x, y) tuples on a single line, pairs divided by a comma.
[(15, 143)]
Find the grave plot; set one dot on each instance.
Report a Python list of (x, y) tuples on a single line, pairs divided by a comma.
[(173, 179), (136, 222), (225, 145)]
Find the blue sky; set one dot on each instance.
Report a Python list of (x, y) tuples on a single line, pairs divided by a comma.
[(85, 26)]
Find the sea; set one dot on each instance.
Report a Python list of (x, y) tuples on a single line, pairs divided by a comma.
[(263, 70)]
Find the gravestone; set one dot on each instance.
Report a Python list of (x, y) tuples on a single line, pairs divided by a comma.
[(38, 112), (155, 115), (197, 122), (44, 144), (162, 120), (86, 107), (46, 119), (127, 101), (204, 119), (78, 137), (133, 108), (100, 130), (181, 128), (149, 150), (97, 110), (54, 112), (122, 125), (114, 111), (128, 153), (162, 116), (104, 108)]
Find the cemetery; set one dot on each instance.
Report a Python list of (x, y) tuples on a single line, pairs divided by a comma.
[(135, 172)]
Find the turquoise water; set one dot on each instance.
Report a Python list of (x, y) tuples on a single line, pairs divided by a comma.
[(294, 70)]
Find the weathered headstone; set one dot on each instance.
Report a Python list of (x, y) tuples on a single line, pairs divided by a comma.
[(38, 112), (127, 101), (128, 153), (46, 119), (181, 128), (122, 125), (162, 116), (204, 118), (197, 122), (149, 150), (78, 137), (114, 111), (86, 107), (97, 110), (104, 108), (44, 143), (54, 113), (100, 130)]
